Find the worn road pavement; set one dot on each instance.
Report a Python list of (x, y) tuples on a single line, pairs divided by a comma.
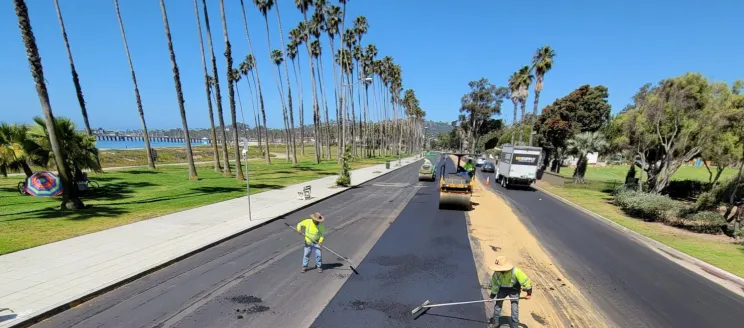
[(254, 279), (633, 285)]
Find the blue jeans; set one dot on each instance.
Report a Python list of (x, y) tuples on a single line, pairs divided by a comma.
[(306, 255)]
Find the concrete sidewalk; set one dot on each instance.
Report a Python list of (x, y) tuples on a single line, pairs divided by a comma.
[(42, 279)]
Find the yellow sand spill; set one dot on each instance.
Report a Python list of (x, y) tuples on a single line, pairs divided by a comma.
[(496, 231)]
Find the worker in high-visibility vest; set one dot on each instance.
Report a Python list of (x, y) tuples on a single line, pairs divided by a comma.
[(313, 231), (508, 281)]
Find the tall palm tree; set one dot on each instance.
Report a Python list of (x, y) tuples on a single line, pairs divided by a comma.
[(332, 20), (226, 171), (15, 149), (360, 29), (356, 55), (246, 68), (264, 6), (350, 41), (289, 87), (514, 95), (342, 92), (278, 59), (267, 153), (304, 6), (369, 56), (231, 94), (148, 150), (317, 52), (179, 94), (75, 79), (525, 78), (236, 77), (542, 62), (208, 89), (292, 54), (70, 199)]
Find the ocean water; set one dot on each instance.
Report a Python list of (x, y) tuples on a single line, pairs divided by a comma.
[(118, 144)]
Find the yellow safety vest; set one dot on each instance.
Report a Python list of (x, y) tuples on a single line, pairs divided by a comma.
[(510, 279), (313, 233)]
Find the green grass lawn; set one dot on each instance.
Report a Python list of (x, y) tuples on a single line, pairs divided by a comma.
[(594, 196), (132, 195)]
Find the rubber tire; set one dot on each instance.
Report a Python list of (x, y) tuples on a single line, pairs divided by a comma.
[(504, 183)]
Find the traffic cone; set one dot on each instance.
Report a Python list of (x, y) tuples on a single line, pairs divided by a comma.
[(488, 180)]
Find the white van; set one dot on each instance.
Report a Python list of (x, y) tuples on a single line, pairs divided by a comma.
[(518, 165)]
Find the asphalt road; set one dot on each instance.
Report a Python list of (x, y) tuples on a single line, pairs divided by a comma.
[(633, 285), (254, 279)]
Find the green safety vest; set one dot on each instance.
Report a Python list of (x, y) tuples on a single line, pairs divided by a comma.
[(510, 279), (313, 233)]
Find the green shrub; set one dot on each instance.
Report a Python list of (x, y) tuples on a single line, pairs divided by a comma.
[(344, 179), (646, 206), (703, 222), (684, 189), (718, 195)]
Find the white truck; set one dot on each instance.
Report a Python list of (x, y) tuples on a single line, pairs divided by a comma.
[(518, 165)]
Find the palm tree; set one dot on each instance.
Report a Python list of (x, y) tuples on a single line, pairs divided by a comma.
[(231, 94), (80, 149), (542, 62), (514, 95), (148, 150), (317, 53), (350, 40), (70, 199), (75, 79), (267, 154), (14, 149), (179, 94), (303, 6), (360, 29), (356, 55), (369, 57), (218, 95), (289, 88), (524, 78), (236, 77), (246, 68), (264, 6), (581, 145), (208, 89), (332, 19), (292, 54), (278, 59)]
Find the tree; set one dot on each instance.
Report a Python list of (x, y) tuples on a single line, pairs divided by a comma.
[(246, 69), (524, 79), (208, 89), (179, 95), (75, 78), (360, 29), (332, 20), (581, 145), (481, 103), (80, 150), (267, 153), (514, 96), (231, 94), (70, 199), (344, 178), (15, 149), (289, 88), (317, 53), (292, 54), (145, 134), (278, 59), (303, 6), (542, 62)]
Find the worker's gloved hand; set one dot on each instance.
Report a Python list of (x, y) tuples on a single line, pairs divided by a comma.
[(492, 296), (529, 295)]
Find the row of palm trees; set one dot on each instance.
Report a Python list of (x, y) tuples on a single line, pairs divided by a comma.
[(519, 85), (374, 132)]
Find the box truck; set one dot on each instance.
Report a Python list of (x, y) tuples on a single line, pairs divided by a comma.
[(518, 165)]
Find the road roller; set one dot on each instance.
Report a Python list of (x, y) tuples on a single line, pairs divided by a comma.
[(427, 171), (455, 189)]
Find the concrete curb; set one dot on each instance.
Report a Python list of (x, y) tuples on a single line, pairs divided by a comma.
[(713, 273), (44, 314)]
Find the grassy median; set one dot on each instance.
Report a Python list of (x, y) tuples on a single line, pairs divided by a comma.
[(718, 250), (130, 195)]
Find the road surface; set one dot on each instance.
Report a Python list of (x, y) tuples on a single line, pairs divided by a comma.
[(254, 279), (632, 285)]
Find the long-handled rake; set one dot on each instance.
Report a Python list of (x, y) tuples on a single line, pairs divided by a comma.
[(351, 263), (427, 304)]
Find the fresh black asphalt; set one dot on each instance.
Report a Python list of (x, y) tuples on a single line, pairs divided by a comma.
[(633, 285), (254, 279)]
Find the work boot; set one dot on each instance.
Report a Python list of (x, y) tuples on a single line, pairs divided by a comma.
[(304, 269), (320, 269)]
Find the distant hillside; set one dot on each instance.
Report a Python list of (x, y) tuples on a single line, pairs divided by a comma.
[(437, 127)]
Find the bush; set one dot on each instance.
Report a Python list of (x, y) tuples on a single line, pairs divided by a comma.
[(719, 194), (684, 189), (703, 222), (344, 179), (646, 206)]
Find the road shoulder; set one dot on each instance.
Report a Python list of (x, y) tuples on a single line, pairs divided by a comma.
[(495, 230)]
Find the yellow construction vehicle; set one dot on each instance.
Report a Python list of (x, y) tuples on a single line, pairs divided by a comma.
[(455, 189), (427, 171)]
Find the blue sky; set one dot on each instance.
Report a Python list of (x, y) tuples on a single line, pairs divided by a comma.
[(440, 45)]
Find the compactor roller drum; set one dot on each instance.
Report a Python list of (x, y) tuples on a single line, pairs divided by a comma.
[(455, 189)]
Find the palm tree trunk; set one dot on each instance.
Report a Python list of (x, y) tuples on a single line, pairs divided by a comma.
[(267, 154), (215, 151), (353, 114), (521, 121), (75, 79), (70, 198), (370, 130), (325, 103), (226, 171), (148, 150), (298, 81), (255, 116), (281, 93), (231, 94), (316, 110), (534, 113), (179, 94), (289, 87), (338, 102), (514, 122)]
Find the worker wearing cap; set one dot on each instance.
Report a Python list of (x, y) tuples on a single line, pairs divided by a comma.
[(507, 282), (313, 231)]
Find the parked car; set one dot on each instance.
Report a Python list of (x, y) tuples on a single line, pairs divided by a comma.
[(488, 167), (480, 161)]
